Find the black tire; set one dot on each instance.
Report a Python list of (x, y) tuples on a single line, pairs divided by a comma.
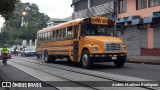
[(120, 62), (69, 60), (48, 58), (85, 60), (38, 56)]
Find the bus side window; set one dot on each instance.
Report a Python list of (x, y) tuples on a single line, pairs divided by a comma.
[(83, 27), (40, 37), (64, 33), (46, 36), (43, 39), (49, 36), (54, 35), (69, 32), (76, 35), (57, 34), (60, 34)]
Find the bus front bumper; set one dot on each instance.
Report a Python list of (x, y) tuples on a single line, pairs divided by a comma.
[(107, 57)]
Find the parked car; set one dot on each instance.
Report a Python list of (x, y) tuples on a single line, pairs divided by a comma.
[(8, 55), (28, 52), (11, 50)]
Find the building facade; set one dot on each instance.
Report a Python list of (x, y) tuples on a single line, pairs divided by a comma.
[(89, 8), (56, 21), (139, 23)]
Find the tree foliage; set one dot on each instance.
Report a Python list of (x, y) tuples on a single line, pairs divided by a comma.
[(7, 7), (20, 26)]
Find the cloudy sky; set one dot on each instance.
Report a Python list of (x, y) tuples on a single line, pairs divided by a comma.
[(53, 8)]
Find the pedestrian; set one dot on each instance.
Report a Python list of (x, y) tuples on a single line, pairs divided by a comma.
[(4, 52), (15, 51)]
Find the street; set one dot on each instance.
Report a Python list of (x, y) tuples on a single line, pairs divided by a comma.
[(145, 71), (38, 70)]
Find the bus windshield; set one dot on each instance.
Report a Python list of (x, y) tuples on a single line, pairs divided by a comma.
[(97, 30)]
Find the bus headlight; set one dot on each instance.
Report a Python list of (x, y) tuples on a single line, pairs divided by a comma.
[(95, 49)]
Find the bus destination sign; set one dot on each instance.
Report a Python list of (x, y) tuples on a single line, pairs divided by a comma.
[(99, 20)]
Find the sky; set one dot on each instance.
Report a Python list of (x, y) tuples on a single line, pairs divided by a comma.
[(53, 8)]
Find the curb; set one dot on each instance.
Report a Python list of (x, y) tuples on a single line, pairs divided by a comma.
[(143, 62)]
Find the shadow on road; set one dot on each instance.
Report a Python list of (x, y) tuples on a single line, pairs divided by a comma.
[(96, 66)]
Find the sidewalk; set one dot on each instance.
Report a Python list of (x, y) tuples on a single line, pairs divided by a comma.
[(144, 59)]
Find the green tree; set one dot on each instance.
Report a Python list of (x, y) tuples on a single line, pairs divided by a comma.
[(24, 26), (7, 7)]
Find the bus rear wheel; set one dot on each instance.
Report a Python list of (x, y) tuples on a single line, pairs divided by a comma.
[(39, 56), (120, 62), (85, 60)]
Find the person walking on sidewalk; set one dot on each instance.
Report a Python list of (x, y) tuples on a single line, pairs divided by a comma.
[(4, 53), (16, 51)]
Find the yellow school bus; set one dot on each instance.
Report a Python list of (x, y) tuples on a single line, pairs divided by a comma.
[(86, 40)]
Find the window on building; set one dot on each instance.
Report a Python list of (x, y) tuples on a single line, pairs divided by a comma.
[(140, 4), (154, 3), (122, 6)]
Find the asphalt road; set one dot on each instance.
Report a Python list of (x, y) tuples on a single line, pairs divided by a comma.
[(10, 73), (145, 71)]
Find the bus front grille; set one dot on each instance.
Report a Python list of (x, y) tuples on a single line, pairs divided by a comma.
[(112, 47)]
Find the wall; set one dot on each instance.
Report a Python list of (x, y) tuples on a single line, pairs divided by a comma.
[(103, 9), (81, 5), (135, 39), (99, 2), (156, 40), (141, 41), (131, 10)]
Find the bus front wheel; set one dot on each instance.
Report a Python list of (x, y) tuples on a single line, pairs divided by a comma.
[(85, 60), (120, 62)]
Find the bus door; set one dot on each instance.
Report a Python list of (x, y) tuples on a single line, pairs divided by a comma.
[(76, 43)]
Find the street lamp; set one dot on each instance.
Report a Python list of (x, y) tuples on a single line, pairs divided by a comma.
[(24, 13)]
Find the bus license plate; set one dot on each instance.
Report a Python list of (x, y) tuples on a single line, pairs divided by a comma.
[(114, 58)]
